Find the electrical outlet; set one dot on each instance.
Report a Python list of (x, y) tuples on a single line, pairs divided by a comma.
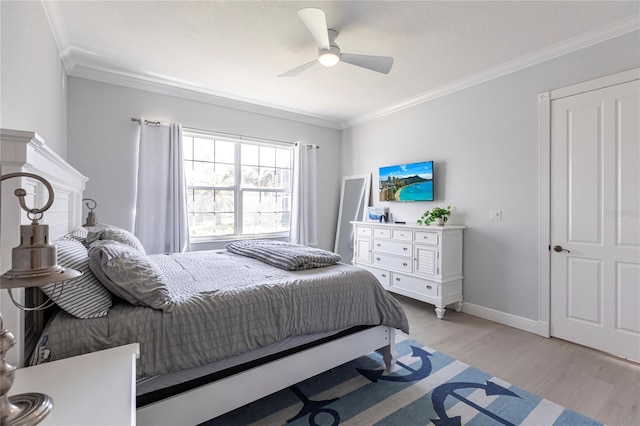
[(495, 215)]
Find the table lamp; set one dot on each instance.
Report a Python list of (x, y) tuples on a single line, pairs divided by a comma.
[(92, 220), (33, 264)]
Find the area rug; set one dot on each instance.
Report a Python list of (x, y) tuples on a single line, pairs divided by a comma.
[(425, 387)]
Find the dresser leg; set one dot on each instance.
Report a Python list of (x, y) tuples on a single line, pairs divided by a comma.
[(458, 306), (440, 312)]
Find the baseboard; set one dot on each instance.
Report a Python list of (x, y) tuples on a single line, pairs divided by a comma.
[(510, 320)]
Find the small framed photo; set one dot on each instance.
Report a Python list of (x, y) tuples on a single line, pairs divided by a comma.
[(377, 214)]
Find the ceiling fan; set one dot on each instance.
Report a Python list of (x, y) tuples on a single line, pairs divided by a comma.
[(329, 53)]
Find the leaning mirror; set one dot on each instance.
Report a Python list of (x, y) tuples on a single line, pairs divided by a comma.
[(354, 200)]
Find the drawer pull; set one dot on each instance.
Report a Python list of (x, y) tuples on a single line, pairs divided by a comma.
[(378, 244), (384, 275), (378, 259), (397, 279), (405, 249), (429, 287), (404, 264)]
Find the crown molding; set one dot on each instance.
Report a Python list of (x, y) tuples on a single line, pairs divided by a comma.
[(79, 63), (58, 29), (195, 93), (602, 34), (93, 66)]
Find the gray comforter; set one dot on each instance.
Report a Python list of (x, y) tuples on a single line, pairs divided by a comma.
[(226, 305)]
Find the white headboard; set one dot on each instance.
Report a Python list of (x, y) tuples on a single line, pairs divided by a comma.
[(23, 151)]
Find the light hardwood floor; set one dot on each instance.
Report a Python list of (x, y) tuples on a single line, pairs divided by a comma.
[(592, 383)]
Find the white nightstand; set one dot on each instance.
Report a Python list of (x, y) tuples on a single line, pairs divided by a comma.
[(93, 389)]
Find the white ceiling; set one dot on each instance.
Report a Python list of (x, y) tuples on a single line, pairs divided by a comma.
[(236, 49)]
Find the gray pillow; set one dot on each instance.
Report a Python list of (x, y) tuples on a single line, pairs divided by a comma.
[(83, 297), (129, 274), (109, 232)]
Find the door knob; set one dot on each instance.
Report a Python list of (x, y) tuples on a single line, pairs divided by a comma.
[(558, 249)]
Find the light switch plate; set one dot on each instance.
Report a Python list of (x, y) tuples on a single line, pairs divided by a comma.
[(495, 215)]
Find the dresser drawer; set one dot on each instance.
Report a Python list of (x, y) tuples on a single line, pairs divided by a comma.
[(415, 285), (402, 235), (427, 237), (381, 233), (392, 262), (393, 247), (383, 276), (364, 231)]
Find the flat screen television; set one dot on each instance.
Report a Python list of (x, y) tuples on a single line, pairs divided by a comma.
[(407, 182)]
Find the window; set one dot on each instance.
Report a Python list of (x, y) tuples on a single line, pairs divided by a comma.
[(236, 188)]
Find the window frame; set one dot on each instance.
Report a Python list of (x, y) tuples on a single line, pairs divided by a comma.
[(238, 189)]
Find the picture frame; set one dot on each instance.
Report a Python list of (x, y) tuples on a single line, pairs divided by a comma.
[(378, 214)]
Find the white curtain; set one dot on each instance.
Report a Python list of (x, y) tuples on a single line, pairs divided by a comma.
[(161, 203), (304, 223)]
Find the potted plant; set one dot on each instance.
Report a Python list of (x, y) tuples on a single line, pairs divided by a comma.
[(439, 215)]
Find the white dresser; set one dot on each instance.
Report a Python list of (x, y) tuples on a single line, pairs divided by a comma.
[(421, 262)]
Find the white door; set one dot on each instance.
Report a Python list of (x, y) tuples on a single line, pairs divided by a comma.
[(595, 219)]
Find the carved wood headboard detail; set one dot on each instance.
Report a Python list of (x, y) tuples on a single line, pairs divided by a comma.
[(24, 151)]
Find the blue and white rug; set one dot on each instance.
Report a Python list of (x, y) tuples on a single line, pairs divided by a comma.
[(425, 387)]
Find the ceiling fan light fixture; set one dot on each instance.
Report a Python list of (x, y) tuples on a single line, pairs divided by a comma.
[(329, 53), (329, 57)]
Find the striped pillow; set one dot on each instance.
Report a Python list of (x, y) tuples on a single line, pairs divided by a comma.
[(79, 233), (83, 297)]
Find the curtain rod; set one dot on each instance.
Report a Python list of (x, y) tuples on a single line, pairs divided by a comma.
[(147, 122), (211, 132)]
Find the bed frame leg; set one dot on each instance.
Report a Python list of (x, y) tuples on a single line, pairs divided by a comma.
[(389, 353)]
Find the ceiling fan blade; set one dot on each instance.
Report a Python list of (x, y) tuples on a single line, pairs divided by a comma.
[(298, 70), (316, 21), (380, 64)]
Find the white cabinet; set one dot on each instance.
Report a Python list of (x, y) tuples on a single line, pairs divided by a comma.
[(421, 262), (98, 388)]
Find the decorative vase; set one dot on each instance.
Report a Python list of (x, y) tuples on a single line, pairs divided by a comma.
[(439, 221)]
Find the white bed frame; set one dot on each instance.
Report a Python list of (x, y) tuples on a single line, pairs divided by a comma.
[(26, 151), (219, 397)]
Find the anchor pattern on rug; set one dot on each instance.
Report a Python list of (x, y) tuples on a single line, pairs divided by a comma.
[(445, 390), (440, 393), (313, 408), (438, 396), (414, 375)]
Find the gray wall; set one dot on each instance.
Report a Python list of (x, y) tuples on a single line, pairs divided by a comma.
[(103, 144), (33, 79), (484, 141)]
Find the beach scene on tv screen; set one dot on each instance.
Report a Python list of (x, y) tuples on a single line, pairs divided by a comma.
[(407, 182)]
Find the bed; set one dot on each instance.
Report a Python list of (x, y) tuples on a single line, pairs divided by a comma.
[(201, 317), (190, 372)]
